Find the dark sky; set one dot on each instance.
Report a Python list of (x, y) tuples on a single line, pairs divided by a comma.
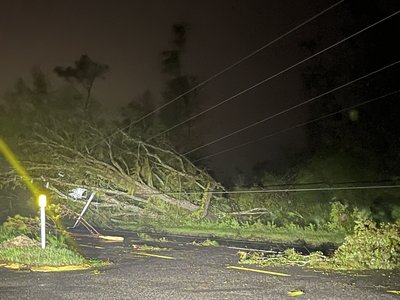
[(129, 36)]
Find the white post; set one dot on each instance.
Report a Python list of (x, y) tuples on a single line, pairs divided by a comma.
[(84, 209), (42, 204)]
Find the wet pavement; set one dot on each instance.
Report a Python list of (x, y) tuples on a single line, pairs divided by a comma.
[(183, 270)]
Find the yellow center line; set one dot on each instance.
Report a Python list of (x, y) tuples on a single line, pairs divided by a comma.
[(17, 266), (257, 271), (60, 268), (155, 255)]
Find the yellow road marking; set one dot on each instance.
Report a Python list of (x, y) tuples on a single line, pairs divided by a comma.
[(394, 292), (258, 271), (60, 269), (154, 255), (17, 266), (13, 266)]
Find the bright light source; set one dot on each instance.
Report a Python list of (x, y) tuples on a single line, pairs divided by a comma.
[(42, 200)]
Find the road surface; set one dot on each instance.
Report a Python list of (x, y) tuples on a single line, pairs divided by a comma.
[(183, 270)]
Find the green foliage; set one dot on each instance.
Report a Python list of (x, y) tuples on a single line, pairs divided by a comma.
[(232, 229), (5, 234), (329, 210), (370, 247), (342, 217), (57, 251), (145, 237), (30, 226), (207, 243), (147, 248), (22, 225), (57, 240), (288, 257), (34, 256)]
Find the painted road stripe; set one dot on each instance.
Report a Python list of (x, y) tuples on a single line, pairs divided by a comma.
[(155, 255), (257, 270)]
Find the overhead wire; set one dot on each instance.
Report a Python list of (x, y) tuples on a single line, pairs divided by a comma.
[(226, 69), (295, 126), (290, 108), (273, 76), (265, 191)]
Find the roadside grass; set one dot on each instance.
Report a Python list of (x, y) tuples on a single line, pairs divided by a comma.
[(55, 254), (5, 234), (35, 256), (289, 234)]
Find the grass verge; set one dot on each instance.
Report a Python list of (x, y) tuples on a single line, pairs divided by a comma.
[(17, 251), (256, 233), (35, 256)]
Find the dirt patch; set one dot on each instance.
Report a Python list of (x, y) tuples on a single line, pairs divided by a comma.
[(20, 241)]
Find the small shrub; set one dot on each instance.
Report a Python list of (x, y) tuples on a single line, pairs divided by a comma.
[(145, 237), (207, 243), (340, 217), (288, 257), (370, 247), (22, 225)]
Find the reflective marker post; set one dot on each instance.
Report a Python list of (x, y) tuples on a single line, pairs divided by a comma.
[(42, 205)]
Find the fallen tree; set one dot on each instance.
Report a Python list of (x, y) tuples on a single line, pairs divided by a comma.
[(64, 148), (125, 173)]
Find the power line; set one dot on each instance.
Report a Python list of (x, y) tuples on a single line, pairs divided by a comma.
[(295, 126), (329, 184), (224, 70), (272, 77), (266, 191), (289, 109)]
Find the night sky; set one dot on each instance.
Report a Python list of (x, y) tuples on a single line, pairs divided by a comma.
[(130, 35)]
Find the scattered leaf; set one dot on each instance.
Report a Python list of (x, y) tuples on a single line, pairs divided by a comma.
[(295, 293)]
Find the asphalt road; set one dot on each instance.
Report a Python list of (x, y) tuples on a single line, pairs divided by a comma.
[(186, 271)]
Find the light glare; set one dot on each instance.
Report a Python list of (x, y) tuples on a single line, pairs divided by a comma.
[(42, 200)]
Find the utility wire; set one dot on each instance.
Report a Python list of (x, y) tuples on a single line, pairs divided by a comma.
[(295, 126), (272, 77), (329, 184), (224, 70), (265, 191), (290, 108)]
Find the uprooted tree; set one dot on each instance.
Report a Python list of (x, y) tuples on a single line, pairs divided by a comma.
[(62, 149)]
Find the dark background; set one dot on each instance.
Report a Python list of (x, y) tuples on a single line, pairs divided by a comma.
[(129, 36)]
